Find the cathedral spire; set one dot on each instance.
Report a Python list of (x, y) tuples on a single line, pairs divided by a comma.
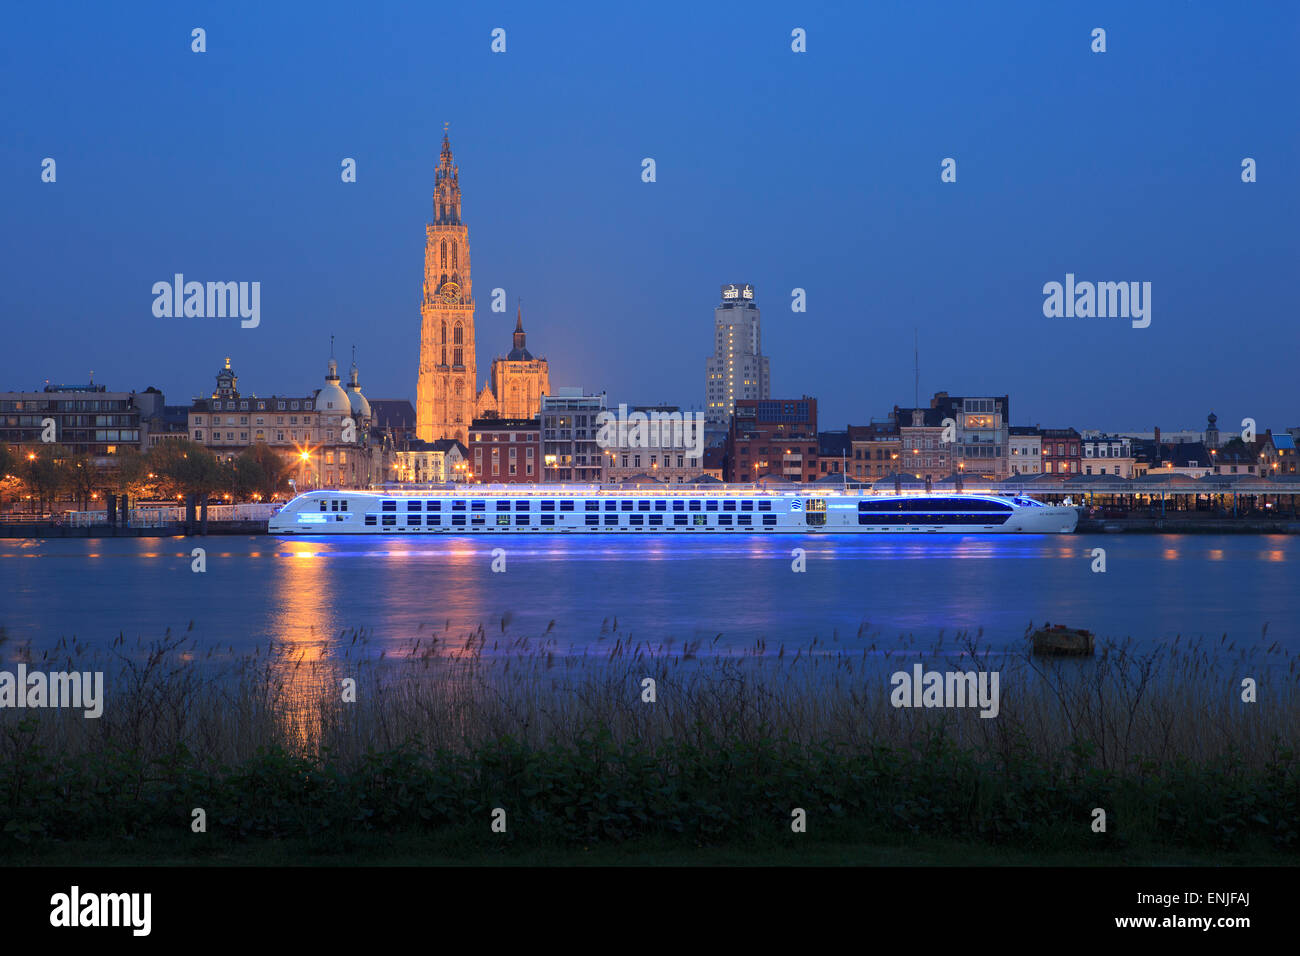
[(446, 189)]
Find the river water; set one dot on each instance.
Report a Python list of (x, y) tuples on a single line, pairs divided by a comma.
[(580, 591)]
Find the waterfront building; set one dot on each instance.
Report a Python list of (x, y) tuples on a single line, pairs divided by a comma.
[(430, 462), (506, 450), (875, 450), (517, 382), (737, 370), (773, 437), (446, 392), (311, 431), (922, 451), (1062, 451), (1026, 450), (668, 446), (570, 427), (87, 419), (1108, 455), (981, 431), (395, 417), (833, 452)]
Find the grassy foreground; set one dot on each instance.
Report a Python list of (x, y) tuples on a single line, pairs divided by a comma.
[(576, 766)]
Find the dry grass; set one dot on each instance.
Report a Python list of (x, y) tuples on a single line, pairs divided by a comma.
[(1180, 701)]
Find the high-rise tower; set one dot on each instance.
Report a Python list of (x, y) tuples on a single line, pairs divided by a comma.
[(446, 392), (737, 370)]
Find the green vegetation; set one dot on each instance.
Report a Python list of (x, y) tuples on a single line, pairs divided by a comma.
[(709, 772), (170, 470)]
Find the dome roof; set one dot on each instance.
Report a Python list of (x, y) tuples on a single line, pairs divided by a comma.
[(332, 398), (358, 401)]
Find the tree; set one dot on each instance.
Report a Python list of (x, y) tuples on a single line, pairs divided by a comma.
[(276, 471), (84, 479), (45, 472)]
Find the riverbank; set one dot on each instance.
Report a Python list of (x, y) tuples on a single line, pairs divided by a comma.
[(169, 530), (1191, 524), (715, 756)]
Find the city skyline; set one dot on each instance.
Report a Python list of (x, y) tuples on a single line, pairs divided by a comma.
[(620, 275)]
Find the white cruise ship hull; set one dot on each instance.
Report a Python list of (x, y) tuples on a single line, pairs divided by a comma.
[(541, 509)]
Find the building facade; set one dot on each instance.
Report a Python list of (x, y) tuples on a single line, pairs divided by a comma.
[(982, 432), (517, 382), (668, 445), (506, 450), (570, 451), (1026, 450), (1108, 455), (1062, 451), (922, 451), (875, 450), (432, 462), (773, 437), (84, 419), (737, 370), (319, 434), (446, 390)]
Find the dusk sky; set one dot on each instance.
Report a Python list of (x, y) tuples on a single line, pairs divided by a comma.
[(816, 170)]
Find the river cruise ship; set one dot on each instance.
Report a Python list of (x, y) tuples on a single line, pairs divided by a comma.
[(683, 509)]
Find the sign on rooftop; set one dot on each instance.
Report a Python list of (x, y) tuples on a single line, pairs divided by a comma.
[(732, 292)]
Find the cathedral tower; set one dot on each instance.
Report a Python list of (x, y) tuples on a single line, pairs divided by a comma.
[(446, 392)]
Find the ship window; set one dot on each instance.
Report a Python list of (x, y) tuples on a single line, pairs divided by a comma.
[(679, 505), (661, 506), (636, 520), (390, 506), (710, 506), (370, 521), (503, 520), (626, 505), (566, 505), (745, 519), (611, 505), (413, 506), (548, 505), (643, 506), (414, 519), (458, 506), (478, 506), (701, 520), (433, 520), (458, 519), (433, 506), (729, 505), (695, 505), (521, 505), (478, 520), (611, 520), (680, 519), (592, 520), (724, 520), (503, 506), (521, 520), (548, 519), (592, 505), (769, 521), (322, 504), (656, 519), (747, 506), (390, 520), (765, 506)]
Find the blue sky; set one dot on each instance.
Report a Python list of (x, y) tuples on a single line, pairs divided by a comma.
[(817, 171)]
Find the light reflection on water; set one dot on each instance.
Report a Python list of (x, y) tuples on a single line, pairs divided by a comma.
[(724, 592)]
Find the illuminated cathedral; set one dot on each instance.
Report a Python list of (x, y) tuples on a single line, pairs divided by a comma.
[(447, 399)]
